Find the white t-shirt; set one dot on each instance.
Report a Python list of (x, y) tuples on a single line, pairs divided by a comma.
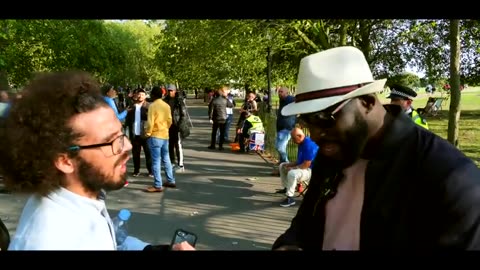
[(230, 110), (138, 119), (64, 220)]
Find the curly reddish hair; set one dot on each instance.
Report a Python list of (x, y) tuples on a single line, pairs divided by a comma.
[(37, 129)]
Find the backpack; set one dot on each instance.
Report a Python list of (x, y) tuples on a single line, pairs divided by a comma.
[(184, 129)]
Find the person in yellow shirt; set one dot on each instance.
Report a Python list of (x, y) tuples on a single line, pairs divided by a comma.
[(158, 123)]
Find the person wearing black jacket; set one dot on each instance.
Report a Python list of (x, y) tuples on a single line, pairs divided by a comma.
[(135, 123), (217, 114), (379, 181), (179, 114)]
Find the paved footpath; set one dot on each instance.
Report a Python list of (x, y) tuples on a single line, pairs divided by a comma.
[(226, 198)]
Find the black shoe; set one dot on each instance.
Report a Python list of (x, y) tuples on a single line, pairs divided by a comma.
[(211, 147), (220, 148), (170, 185), (289, 201), (281, 191)]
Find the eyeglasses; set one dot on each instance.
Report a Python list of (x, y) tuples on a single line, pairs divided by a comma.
[(116, 145), (322, 119)]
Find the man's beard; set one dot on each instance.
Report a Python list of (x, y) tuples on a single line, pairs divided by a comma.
[(94, 180), (352, 144)]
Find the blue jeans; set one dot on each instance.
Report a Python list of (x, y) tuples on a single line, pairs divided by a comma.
[(159, 151), (228, 124), (283, 136)]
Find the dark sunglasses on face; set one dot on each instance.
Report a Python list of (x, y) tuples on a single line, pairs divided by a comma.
[(323, 119)]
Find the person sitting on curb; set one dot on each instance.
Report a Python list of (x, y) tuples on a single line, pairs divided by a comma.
[(293, 173)]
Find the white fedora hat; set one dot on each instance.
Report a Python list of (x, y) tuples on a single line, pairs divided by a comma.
[(332, 76)]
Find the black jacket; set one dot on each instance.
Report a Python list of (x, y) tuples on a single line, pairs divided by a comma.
[(177, 108), (217, 109), (285, 122), (130, 119), (421, 193)]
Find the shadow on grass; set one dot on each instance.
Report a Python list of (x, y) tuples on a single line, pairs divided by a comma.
[(471, 151), (464, 115)]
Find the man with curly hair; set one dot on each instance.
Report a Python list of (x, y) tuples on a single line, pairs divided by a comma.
[(64, 145)]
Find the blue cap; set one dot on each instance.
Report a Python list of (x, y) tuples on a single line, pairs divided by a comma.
[(124, 214)]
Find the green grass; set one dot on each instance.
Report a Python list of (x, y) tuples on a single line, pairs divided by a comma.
[(470, 100), (469, 132)]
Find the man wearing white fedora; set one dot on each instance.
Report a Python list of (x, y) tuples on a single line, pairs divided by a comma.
[(376, 181)]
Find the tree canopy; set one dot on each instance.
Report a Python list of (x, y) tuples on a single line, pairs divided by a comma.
[(205, 53)]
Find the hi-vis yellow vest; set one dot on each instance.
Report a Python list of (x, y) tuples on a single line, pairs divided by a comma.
[(419, 120), (257, 125)]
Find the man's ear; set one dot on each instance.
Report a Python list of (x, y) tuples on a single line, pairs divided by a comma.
[(64, 164), (368, 102)]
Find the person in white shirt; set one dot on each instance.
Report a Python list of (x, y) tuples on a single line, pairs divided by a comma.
[(64, 145), (229, 121), (135, 122)]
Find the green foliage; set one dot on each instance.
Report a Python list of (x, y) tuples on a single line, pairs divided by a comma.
[(119, 53), (132, 60), (201, 53), (204, 53), (407, 79)]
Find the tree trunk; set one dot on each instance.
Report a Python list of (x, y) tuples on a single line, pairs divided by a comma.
[(454, 113), (4, 81), (365, 43), (343, 33)]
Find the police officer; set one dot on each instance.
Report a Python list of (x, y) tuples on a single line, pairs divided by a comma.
[(252, 123), (403, 96)]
